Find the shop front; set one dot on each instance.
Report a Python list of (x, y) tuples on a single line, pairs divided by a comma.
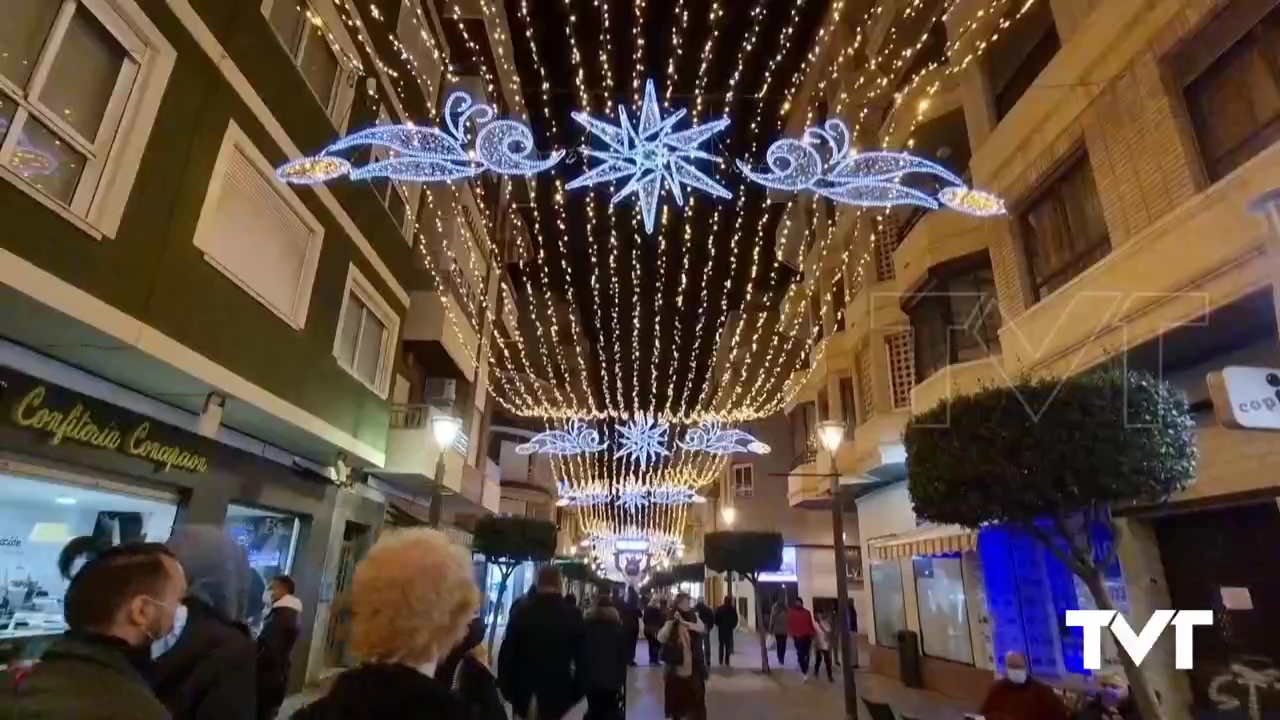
[(72, 465)]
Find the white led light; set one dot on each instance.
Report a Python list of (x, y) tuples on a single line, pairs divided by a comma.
[(576, 438), (644, 439), (710, 437)]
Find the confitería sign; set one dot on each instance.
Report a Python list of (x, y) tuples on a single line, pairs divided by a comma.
[(62, 416)]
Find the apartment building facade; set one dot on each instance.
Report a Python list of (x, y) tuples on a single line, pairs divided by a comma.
[(185, 339), (1135, 145)]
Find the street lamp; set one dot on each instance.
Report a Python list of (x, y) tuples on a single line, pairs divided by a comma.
[(831, 435), (445, 429), (729, 513)]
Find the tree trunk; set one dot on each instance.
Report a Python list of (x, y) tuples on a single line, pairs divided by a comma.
[(762, 621), (1141, 691), (493, 626)]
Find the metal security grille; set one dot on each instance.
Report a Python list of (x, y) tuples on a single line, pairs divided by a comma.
[(900, 350)]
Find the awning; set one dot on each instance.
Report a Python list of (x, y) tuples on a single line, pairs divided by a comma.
[(940, 540)]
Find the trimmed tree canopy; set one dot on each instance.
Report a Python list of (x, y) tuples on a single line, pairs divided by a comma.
[(510, 540), (743, 552), (1050, 448), (661, 579), (689, 573)]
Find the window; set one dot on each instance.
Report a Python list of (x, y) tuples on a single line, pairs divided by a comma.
[(824, 404), (401, 200), (887, 602), (944, 619), (309, 46), (1018, 58), (744, 481), (849, 412), (257, 232), (270, 541), (1064, 229), (80, 82), (419, 43), (1234, 103), (956, 320), (367, 332)]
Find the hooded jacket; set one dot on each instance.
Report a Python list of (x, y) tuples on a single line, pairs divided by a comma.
[(83, 677), (279, 633), (384, 691)]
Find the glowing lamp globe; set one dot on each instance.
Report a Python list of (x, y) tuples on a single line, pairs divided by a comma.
[(445, 429), (831, 434)]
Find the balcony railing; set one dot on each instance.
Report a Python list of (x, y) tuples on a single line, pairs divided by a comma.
[(418, 417)]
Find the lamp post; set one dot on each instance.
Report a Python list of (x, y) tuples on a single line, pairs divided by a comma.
[(444, 428), (831, 435)]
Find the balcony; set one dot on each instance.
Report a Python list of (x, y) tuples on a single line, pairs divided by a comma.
[(436, 315), (412, 453), (876, 450), (957, 379), (939, 237)]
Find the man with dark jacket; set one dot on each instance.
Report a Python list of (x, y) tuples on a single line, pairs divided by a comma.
[(655, 616), (115, 606), (726, 622), (631, 618), (536, 660), (708, 619), (275, 645), (605, 657)]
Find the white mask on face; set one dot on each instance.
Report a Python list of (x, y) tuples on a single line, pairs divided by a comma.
[(1017, 676), (164, 644)]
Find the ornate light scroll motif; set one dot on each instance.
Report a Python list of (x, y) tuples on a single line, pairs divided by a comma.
[(427, 154), (577, 438), (587, 495), (866, 179), (711, 437)]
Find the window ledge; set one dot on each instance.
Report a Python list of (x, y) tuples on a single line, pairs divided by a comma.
[(80, 223)]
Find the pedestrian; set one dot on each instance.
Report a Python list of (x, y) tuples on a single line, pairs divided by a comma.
[(685, 676), (119, 602), (1018, 696), (536, 661), (210, 671), (708, 619), (1112, 700), (412, 599), (632, 617), (279, 633), (800, 628), (572, 601), (823, 640), (465, 670), (726, 620), (778, 627), (605, 657), (654, 619)]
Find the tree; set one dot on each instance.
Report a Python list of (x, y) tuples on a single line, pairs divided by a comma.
[(510, 541), (689, 573), (1050, 458), (747, 554)]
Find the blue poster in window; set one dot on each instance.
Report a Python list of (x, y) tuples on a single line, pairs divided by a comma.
[(1036, 599), (1001, 584)]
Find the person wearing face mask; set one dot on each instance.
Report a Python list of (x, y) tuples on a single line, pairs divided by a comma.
[(207, 669), (275, 644), (684, 682), (1018, 696), (1111, 702), (118, 604)]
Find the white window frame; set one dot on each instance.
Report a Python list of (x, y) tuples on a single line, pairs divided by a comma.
[(338, 105), (236, 139), (357, 284), (431, 86), (750, 491), (113, 157)]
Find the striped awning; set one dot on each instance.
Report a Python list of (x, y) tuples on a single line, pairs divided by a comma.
[(938, 540)]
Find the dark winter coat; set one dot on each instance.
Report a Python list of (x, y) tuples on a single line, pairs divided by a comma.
[(385, 692), (280, 631), (470, 679), (631, 616), (606, 651), (210, 672), (706, 615), (654, 619), (726, 618), (536, 660), (80, 677)]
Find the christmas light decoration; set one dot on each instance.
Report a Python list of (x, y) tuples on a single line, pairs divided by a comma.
[(588, 495), (427, 154), (631, 495), (28, 160), (642, 438), (711, 437), (576, 438), (672, 495), (649, 153)]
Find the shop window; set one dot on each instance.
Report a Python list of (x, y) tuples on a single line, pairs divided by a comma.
[(944, 618), (1064, 230), (269, 539), (887, 602), (956, 319), (70, 73), (367, 332), (744, 481), (37, 519), (257, 232), (1234, 103)]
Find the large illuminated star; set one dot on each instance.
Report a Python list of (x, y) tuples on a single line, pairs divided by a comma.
[(649, 153)]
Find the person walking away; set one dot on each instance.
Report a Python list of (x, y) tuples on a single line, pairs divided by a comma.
[(279, 633), (572, 601), (778, 628), (1018, 696), (685, 676), (726, 621), (118, 603), (654, 619), (823, 640), (465, 671), (210, 670), (800, 628), (605, 658), (632, 616), (536, 661), (708, 619), (412, 599)]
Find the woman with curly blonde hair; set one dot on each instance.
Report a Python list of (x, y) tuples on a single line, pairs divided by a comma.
[(412, 599)]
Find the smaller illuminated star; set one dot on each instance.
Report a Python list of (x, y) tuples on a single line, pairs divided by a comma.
[(644, 439)]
